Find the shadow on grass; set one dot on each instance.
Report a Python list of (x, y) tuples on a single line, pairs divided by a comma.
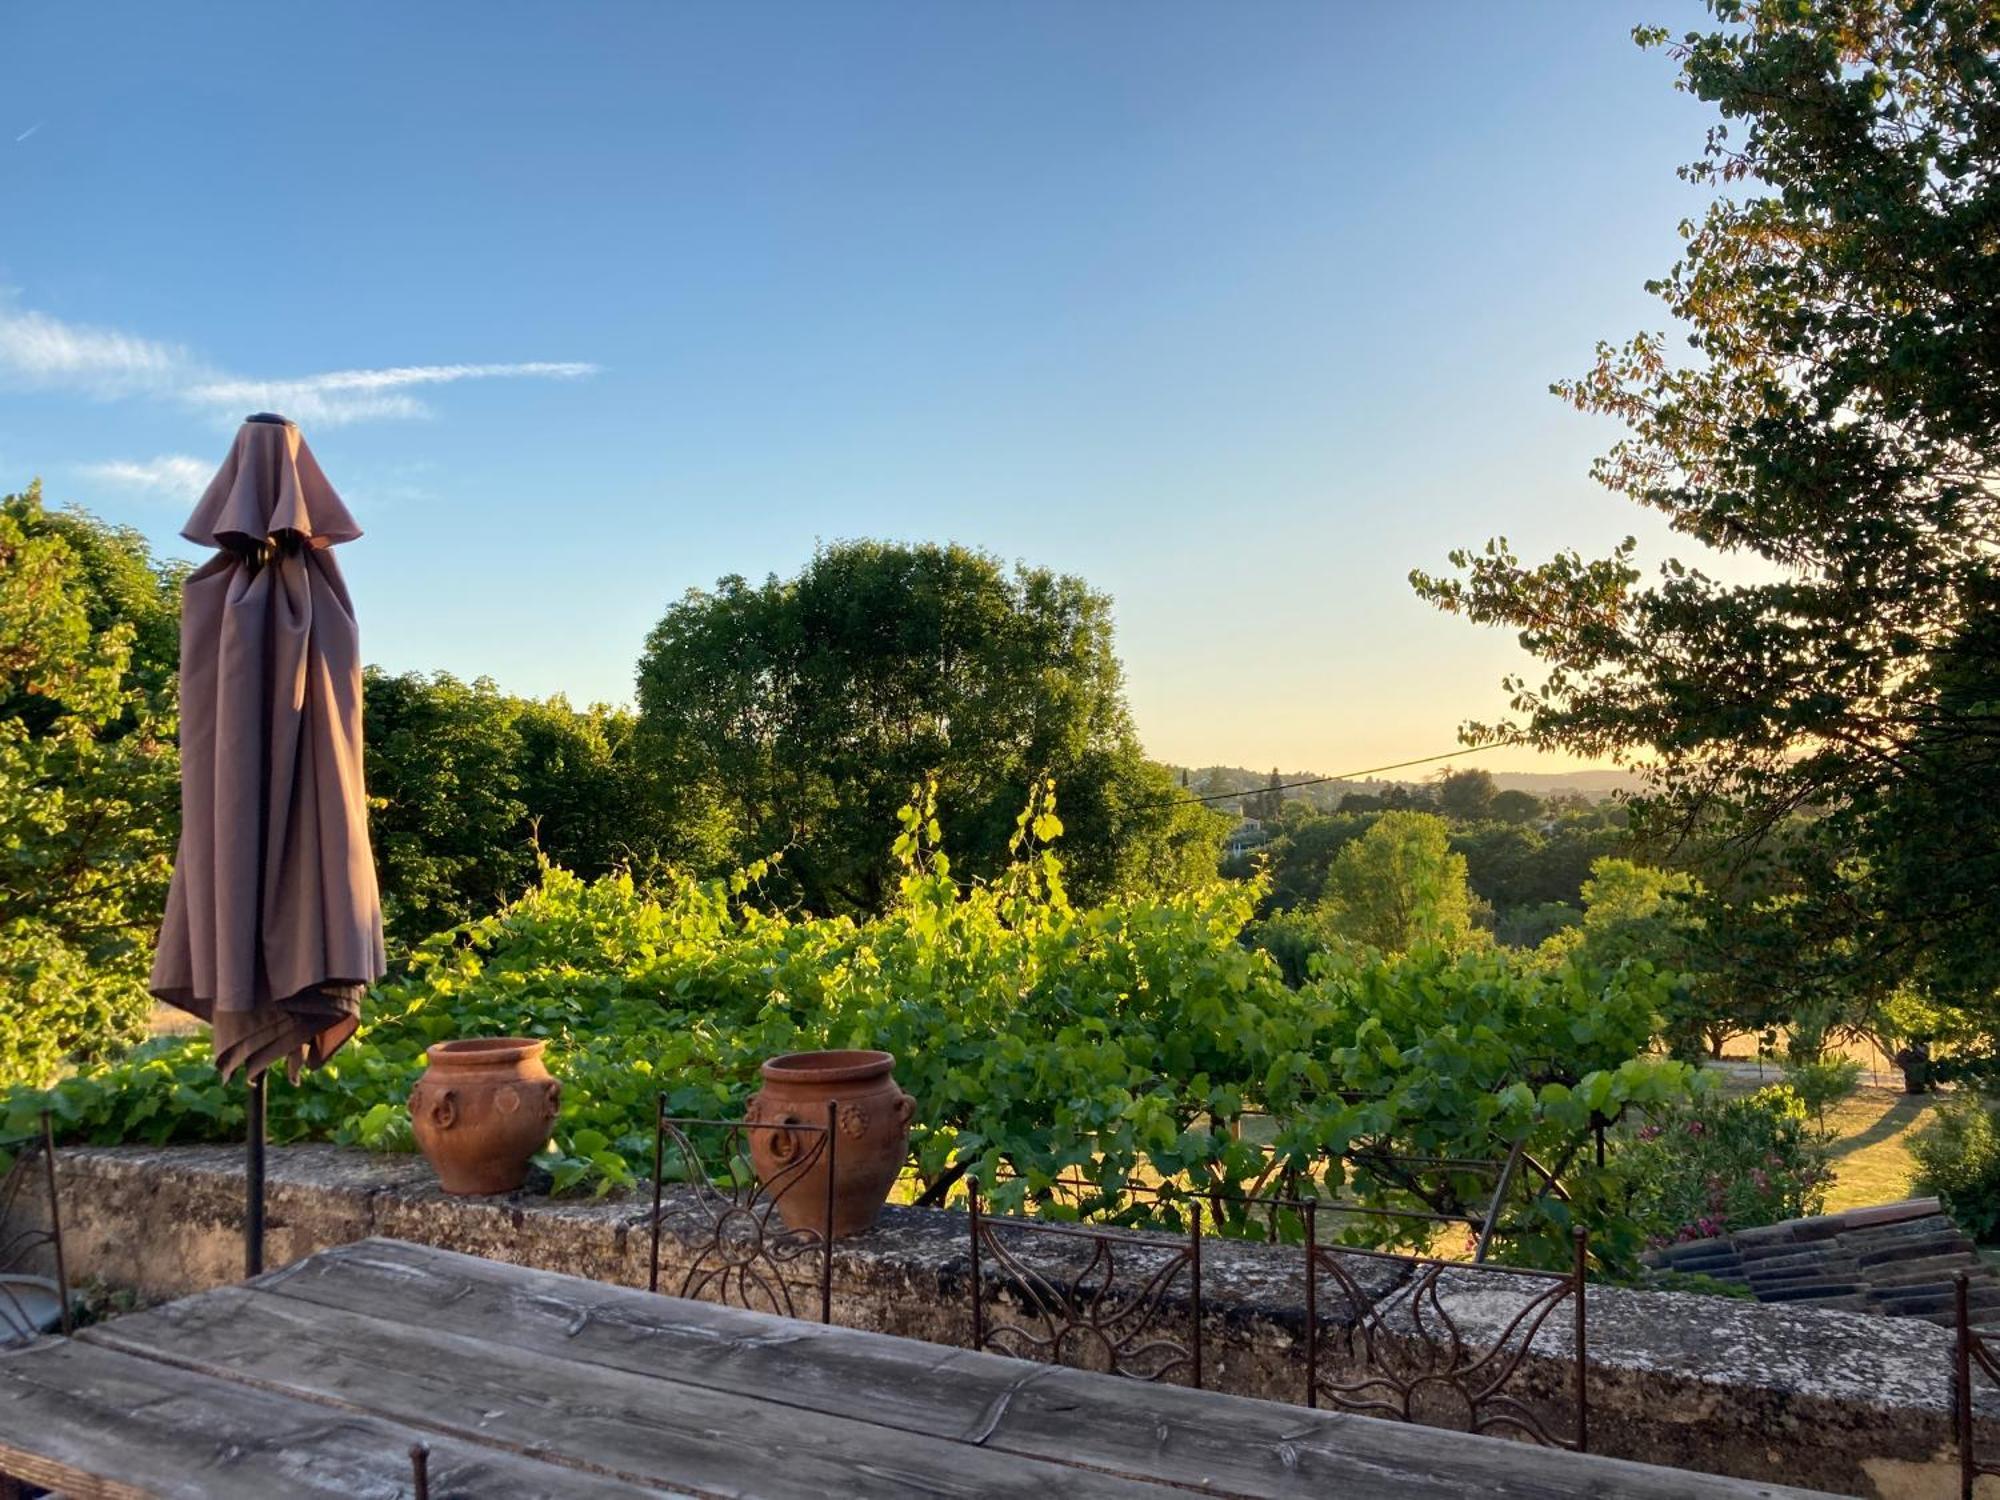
[(1893, 1121)]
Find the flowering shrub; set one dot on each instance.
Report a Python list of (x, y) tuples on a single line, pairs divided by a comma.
[(1722, 1165)]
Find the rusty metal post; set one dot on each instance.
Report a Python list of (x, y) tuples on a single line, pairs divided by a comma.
[(55, 1219), (253, 1184), (978, 1292), (420, 1470), (1194, 1290), (1582, 1341), (826, 1236), (659, 1166), (1961, 1381), (1492, 1219), (1312, 1302)]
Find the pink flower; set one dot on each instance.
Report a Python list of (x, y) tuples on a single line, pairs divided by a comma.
[(1696, 1128)]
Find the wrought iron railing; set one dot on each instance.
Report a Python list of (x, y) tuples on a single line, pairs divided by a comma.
[(1408, 1358), (731, 1221), (24, 1294), (1970, 1351), (1094, 1298), (1104, 1298)]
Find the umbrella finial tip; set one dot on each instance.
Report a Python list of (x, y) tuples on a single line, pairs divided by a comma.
[(269, 416)]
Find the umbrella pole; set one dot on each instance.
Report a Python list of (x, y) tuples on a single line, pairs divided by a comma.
[(253, 1209)]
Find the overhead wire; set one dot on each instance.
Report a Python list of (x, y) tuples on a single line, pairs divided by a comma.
[(1188, 798)]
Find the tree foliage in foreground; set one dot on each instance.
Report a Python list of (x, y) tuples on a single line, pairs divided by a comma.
[(1111, 1041), (1821, 723), (88, 783)]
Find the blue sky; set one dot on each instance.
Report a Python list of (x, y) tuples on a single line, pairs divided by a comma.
[(1238, 311)]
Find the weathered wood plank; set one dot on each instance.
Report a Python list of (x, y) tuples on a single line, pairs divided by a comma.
[(100, 1425), (642, 1429), (1227, 1444)]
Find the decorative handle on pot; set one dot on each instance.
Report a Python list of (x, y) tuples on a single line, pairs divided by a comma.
[(784, 1140), (752, 1106), (906, 1106), (554, 1102), (444, 1109)]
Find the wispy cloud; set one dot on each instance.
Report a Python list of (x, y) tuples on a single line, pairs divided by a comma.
[(171, 476), (349, 395), (38, 352), (42, 352), (28, 132)]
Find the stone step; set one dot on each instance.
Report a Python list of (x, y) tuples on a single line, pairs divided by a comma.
[(1756, 1250), (1766, 1285), (1937, 1297), (1791, 1232), (1808, 1291), (1898, 1273), (1916, 1249), (1892, 1213), (1709, 1255), (1906, 1229), (1811, 1262), (1686, 1250), (1945, 1265)]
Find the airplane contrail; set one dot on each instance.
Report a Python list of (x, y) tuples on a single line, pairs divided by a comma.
[(28, 132)]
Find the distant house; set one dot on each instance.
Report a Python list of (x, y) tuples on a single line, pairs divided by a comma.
[(1245, 836)]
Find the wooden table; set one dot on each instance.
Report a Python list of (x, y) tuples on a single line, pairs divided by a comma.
[(316, 1379)]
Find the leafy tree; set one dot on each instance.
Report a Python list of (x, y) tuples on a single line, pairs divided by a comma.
[(1465, 796), (1268, 804), (1515, 866), (1301, 856), (468, 785), (1957, 1153), (793, 717), (1399, 887), (1633, 913), (1400, 798), (88, 783), (449, 831), (1508, 866), (1922, 1035), (1516, 807), (1531, 926), (1836, 419)]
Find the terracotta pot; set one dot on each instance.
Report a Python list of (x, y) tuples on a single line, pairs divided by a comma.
[(483, 1107), (872, 1135)]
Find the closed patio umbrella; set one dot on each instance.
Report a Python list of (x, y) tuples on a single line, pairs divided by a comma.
[(273, 926)]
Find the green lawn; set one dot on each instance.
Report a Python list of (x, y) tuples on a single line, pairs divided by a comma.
[(1871, 1147), (1871, 1130)]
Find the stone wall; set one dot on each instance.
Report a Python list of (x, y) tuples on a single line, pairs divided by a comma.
[(1836, 1400)]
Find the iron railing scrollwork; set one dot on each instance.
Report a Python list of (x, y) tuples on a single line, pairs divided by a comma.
[(1970, 1349), (1089, 1305), (741, 1250), (25, 1295), (1408, 1357)]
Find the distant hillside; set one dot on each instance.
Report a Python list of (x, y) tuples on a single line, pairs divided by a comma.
[(1594, 783)]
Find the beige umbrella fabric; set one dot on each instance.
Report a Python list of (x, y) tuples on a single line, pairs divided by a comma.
[(274, 925)]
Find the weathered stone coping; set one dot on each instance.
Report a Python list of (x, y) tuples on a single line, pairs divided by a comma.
[(1834, 1400)]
